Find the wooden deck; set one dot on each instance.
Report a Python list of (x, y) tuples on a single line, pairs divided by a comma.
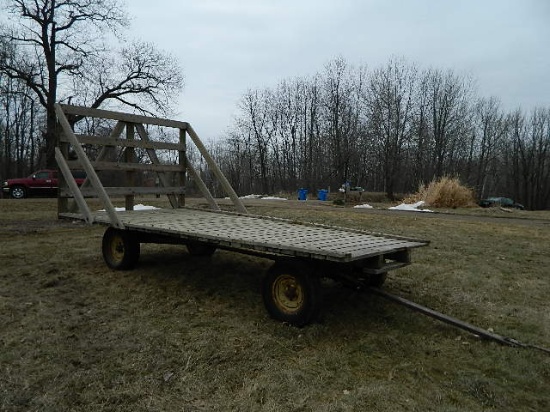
[(261, 234)]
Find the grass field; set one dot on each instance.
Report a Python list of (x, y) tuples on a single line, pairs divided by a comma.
[(182, 333)]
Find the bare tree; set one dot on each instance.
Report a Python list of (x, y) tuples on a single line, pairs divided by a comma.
[(390, 104), (19, 116), (257, 130), (531, 138), (511, 155), (442, 122), (137, 76), (490, 129), (343, 88), (59, 44)]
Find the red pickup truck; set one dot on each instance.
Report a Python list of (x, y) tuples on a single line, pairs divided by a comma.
[(42, 182)]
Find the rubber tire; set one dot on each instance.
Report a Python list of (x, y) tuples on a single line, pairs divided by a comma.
[(292, 293), (200, 249), (377, 280), (120, 249), (18, 192)]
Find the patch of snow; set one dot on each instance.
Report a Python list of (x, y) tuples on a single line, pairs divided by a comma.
[(250, 197), (258, 197), (136, 207), (415, 207), (273, 198), (144, 207), (365, 206)]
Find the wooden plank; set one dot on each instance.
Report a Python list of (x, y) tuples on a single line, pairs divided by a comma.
[(124, 117), (253, 233), (121, 166), (117, 191), (69, 179), (107, 141), (217, 171), (130, 157), (153, 156), (183, 161), (346, 230), (262, 235), (96, 183), (62, 203), (115, 133), (202, 187), (121, 191), (103, 153)]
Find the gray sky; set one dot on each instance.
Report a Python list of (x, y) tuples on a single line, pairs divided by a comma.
[(228, 46)]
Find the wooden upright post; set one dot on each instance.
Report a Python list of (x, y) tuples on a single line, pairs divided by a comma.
[(217, 171), (130, 157), (62, 201), (182, 159), (88, 168)]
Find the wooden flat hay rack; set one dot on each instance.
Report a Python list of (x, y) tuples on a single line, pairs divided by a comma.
[(302, 253)]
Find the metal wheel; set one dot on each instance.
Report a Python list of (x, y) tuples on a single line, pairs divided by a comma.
[(291, 293), (18, 192), (120, 249)]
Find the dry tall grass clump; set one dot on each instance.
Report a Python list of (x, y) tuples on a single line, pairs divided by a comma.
[(444, 192)]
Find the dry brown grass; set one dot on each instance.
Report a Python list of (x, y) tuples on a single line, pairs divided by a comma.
[(445, 192), (181, 333)]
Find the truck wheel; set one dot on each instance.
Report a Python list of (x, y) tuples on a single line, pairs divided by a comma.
[(120, 249), (291, 293), (18, 192), (200, 249)]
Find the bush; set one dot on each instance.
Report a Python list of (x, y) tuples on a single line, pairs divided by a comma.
[(444, 192)]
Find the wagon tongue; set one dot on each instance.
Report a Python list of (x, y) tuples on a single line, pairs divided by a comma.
[(453, 321)]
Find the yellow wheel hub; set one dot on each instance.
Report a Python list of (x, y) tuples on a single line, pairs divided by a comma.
[(288, 294), (117, 248)]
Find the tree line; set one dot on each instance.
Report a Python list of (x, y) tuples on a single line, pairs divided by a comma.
[(387, 129)]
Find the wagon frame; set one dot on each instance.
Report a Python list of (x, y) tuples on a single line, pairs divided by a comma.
[(303, 252)]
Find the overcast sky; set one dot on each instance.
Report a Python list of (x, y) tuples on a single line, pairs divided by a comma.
[(228, 46)]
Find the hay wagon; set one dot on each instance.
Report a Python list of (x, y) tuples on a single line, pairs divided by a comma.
[(303, 253)]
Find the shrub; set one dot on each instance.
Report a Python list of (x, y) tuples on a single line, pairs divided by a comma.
[(444, 192)]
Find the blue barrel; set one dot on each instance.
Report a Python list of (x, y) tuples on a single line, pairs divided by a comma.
[(322, 195), (302, 194)]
